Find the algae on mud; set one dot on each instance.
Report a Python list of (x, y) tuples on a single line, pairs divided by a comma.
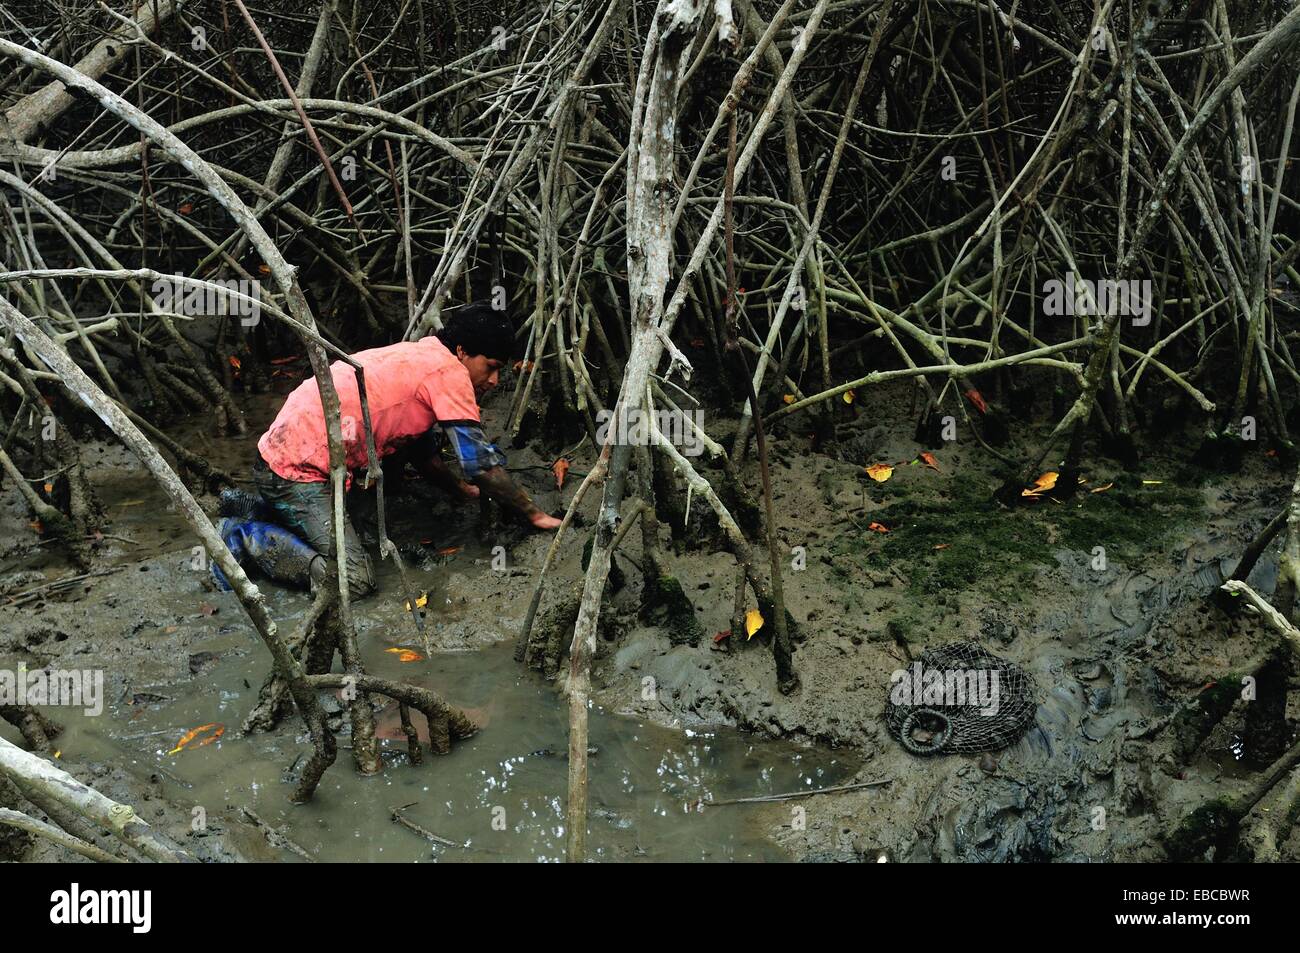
[(960, 536)]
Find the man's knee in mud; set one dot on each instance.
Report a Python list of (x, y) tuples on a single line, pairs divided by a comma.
[(361, 575)]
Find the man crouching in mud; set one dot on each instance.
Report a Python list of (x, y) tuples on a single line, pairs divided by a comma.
[(411, 387)]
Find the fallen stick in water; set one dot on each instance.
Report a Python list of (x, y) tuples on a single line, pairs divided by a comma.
[(423, 832), (791, 795), (275, 838), (58, 584)]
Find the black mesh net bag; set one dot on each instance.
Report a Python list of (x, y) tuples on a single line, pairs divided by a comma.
[(960, 698)]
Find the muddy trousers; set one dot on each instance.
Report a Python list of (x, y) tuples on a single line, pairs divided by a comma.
[(305, 509)]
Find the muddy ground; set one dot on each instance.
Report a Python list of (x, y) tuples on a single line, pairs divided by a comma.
[(1115, 651)]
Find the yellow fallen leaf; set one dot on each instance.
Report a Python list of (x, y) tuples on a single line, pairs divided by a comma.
[(1042, 484), (405, 655), (880, 472), (849, 396), (1152, 482), (421, 601), (788, 398), (753, 622)]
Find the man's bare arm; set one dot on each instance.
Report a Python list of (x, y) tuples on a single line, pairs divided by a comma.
[(438, 473), (496, 483)]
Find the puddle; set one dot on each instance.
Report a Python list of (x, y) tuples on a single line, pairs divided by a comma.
[(646, 781)]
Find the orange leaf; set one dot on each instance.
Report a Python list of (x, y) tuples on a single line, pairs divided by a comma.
[(928, 459), (1042, 484), (49, 487), (264, 269), (560, 467), (234, 362), (185, 208), (878, 528), (880, 472), (214, 730), (977, 399), (942, 545), (448, 550), (1101, 489)]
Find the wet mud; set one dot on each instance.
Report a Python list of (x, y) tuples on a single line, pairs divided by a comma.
[(1119, 643)]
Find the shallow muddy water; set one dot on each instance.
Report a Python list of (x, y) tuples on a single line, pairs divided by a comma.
[(499, 795)]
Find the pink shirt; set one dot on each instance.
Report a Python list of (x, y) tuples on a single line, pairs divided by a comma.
[(410, 387)]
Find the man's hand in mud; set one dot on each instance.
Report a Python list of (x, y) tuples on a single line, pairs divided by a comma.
[(496, 483), (544, 521)]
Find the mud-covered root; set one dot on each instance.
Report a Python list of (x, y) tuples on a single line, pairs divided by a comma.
[(616, 580), (322, 756), (447, 723), (312, 644), (553, 631), (1251, 821), (412, 736), (1263, 718), (1271, 821), (768, 611), (550, 635), (741, 504), (439, 732), (1193, 724), (1221, 451), (50, 522), (1212, 825), (664, 603), (37, 730)]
